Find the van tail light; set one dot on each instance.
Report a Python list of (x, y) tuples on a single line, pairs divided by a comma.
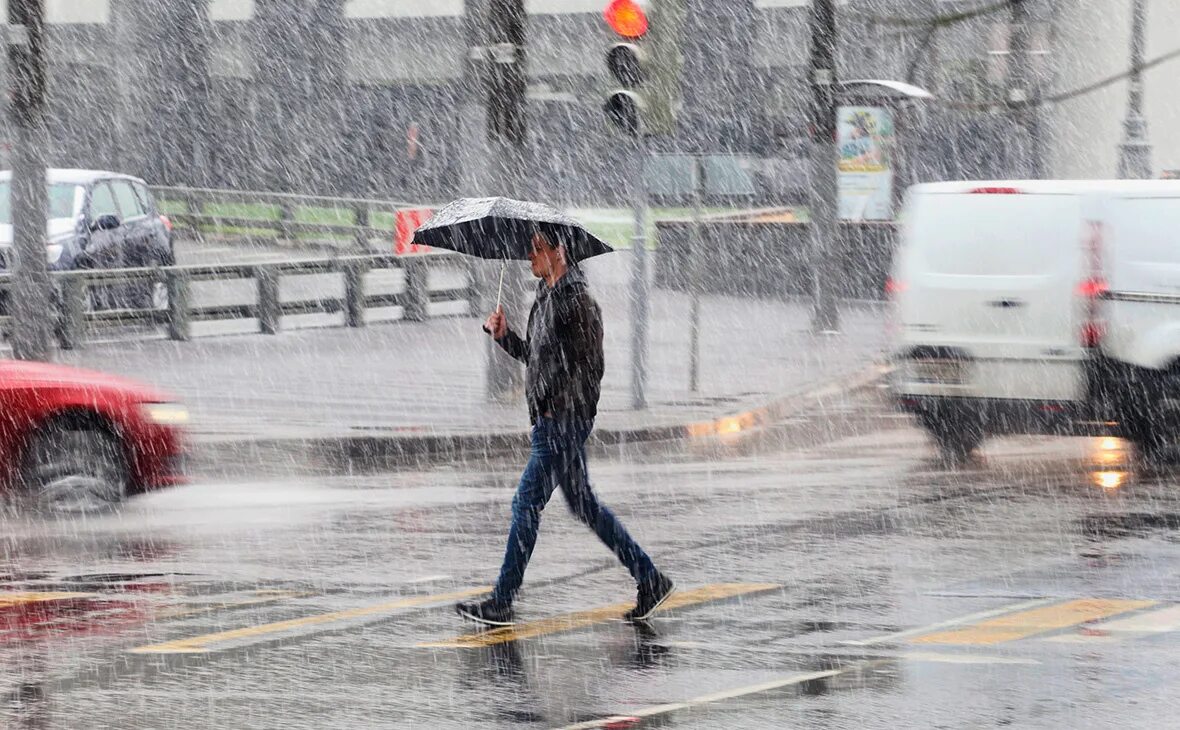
[(893, 287), (167, 222), (1093, 289), (1093, 324)]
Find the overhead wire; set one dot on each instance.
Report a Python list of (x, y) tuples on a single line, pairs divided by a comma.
[(933, 23), (1008, 105), (932, 20)]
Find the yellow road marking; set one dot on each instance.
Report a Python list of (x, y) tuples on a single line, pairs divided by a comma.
[(17, 599), (201, 644), (582, 619), (1034, 621)]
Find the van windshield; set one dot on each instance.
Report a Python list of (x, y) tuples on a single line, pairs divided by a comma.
[(993, 234), (60, 203)]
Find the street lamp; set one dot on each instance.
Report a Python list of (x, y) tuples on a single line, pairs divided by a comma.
[(1135, 150)]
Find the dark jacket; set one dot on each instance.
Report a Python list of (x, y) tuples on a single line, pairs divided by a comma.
[(562, 350)]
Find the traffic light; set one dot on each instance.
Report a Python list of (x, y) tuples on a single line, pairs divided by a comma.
[(644, 65)]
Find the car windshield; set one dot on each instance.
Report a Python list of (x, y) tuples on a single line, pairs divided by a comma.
[(60, 202)]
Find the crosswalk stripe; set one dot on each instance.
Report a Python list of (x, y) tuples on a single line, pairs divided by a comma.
[(261, 598), (1023, 624), (657, 710), (1142, 624), (582, 619), (208, 642), (961, 620), (20, 599)]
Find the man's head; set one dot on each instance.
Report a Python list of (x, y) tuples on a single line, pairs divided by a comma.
[(547, 259)]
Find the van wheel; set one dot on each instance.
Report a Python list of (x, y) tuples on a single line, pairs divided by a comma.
[(956, 440), (1153, 440)]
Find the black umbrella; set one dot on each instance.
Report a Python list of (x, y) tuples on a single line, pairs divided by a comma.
[(502, 228)]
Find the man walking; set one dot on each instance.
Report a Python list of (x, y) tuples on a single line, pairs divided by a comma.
[(562, 353)]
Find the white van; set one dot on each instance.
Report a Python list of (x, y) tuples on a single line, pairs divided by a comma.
[(1045, 306)]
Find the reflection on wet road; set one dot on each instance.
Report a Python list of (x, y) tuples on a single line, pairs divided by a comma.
[(857, 582)]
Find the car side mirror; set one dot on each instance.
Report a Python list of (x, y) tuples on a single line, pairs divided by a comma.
[(106, 222)]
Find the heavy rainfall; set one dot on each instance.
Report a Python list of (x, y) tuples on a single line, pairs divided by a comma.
[(847, 331)]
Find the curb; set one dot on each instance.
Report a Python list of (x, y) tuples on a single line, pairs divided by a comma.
[(348, 453)]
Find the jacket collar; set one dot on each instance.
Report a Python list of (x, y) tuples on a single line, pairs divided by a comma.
[(574, 278)]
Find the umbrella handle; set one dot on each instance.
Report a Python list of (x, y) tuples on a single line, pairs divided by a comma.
[(499, 291)]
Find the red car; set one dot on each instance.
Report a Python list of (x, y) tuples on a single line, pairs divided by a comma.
[(78, 440)]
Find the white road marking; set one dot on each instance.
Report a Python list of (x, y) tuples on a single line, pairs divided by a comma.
[(1160, 621), (970, 618), (929, 656), (713, 697)]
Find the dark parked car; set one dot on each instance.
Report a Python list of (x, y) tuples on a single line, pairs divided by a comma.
[(98, 220)]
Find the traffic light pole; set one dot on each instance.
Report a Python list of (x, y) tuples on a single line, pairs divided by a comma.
[(825, 231), (640, 291), (31, 304), (497, 32)]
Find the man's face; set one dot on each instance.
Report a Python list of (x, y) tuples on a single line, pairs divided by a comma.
[(543, 257)]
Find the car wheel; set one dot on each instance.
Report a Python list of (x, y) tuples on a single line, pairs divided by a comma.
[(73, 468), (153, 295)]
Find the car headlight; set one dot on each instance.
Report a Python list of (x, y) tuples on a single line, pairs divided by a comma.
[(166, 414), (53, 252)]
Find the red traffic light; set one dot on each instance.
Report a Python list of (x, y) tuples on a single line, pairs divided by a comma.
[(626, 18)]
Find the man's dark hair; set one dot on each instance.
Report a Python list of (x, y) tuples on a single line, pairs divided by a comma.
[(557, 238)]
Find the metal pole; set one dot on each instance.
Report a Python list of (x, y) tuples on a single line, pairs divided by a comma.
[(639, 289), (496, 63), (30, 292), (1135, 150), (1024, 89), (825, 230), (696, 254)]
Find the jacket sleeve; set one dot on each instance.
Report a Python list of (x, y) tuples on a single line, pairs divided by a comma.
[(515, 346)]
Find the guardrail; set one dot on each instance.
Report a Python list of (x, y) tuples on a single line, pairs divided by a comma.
[(268, 309), (283, 216)]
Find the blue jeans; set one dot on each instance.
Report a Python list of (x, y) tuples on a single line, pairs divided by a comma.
[(558, 459)]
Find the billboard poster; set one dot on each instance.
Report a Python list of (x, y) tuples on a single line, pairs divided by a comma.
[(864, 142)]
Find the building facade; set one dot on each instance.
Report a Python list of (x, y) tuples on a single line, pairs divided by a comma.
[(366, 96)]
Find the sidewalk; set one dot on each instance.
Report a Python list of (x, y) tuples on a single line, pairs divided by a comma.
[(407, 383)]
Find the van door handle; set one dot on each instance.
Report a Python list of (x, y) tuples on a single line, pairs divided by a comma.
[(1006, 303)]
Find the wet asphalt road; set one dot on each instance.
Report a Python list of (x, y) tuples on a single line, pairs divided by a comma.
[(853, 583)]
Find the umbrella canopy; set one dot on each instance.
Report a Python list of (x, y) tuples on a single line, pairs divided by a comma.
[(502, 228)]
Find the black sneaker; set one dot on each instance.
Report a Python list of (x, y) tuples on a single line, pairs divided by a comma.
[(651, 594), (488, 612)]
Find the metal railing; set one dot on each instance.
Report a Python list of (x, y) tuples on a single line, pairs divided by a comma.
[(74, 315), (284, 223)]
